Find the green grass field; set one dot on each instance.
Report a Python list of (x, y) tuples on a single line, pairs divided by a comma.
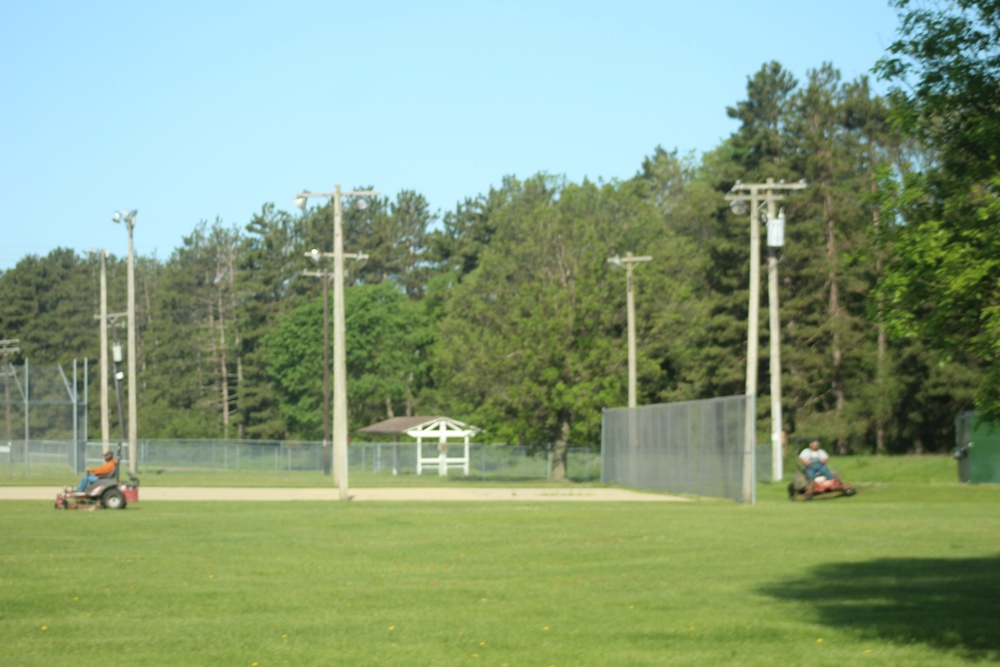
[(905, 573)]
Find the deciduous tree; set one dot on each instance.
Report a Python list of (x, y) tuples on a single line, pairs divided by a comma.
[(942, 283)]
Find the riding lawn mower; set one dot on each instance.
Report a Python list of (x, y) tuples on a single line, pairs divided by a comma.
[(106, 492), (803, 488)]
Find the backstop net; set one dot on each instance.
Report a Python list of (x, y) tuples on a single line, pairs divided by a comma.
[(696, 447), (42, 408)]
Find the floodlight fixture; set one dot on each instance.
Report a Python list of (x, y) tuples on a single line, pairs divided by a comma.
[(739, 207), (301, 200), (127, 217)]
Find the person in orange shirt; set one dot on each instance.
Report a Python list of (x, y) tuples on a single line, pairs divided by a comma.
[(105, 468)]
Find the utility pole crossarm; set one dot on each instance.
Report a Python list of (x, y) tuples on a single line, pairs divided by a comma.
[(7, 348), (770, 184), (352, 193)]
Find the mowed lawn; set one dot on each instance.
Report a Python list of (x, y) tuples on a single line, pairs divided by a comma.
[(904, 573)]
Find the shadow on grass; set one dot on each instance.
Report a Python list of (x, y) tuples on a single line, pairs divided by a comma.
[(946, 603)]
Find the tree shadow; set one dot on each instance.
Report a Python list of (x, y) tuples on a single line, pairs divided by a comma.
[(947, 603)]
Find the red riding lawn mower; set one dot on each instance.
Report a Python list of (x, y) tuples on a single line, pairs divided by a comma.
[(106, 492), (803, 488)]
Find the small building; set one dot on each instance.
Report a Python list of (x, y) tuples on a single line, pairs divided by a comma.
[(441, 429), (977, 449)]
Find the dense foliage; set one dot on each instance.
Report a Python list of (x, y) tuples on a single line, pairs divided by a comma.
[(505, 312), (944, 280)]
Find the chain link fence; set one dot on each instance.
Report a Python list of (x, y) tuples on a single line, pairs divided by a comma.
[(694, 447), (43, 405), (488, 462)]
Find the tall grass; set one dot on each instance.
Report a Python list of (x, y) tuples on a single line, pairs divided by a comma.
[(901, 574)]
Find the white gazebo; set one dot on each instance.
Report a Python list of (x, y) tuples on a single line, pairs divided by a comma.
[(421, 428)]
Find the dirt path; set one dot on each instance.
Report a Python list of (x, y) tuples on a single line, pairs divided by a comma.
[(153, 494)]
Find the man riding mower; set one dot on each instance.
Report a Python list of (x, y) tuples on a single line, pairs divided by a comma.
[(100, 487), (815, 478)]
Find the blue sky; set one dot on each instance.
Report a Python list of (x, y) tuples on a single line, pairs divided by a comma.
[(195, 110)]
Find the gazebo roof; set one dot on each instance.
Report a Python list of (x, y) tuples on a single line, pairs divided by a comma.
[(397, 425), (423, 425)]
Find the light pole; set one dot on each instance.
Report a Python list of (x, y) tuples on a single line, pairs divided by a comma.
[(339, 353), (739, 196), (628, 260), (128, 217)]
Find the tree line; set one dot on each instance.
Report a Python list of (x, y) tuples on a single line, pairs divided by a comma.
[(505, 313)]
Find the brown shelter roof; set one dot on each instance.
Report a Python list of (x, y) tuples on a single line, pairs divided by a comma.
[(397, 425)]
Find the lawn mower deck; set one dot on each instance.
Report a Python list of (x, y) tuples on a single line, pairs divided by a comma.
[(105, 493), (803, 488)]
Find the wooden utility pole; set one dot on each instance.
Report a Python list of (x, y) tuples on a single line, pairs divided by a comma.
[(7, 349), (325, 274), (628, 260), (756, 194)]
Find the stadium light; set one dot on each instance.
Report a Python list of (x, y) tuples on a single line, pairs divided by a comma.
[(340, 460)]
